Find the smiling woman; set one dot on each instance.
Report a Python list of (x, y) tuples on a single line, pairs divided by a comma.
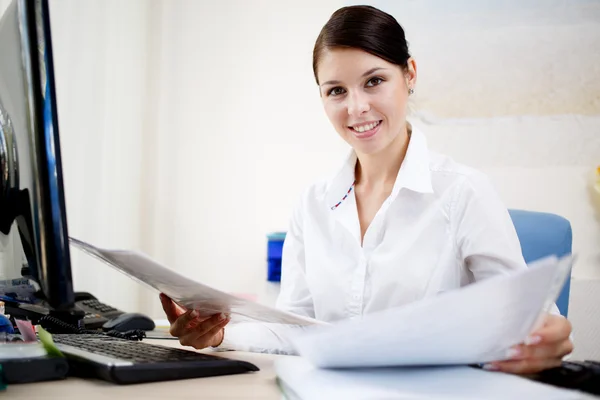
[(397, 223)]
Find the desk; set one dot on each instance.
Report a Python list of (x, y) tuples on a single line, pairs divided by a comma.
[(253, 385)]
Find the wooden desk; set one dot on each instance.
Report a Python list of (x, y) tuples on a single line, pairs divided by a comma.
[(253, 385)]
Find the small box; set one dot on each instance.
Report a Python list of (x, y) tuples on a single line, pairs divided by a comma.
[(274, 251), (36, 369)]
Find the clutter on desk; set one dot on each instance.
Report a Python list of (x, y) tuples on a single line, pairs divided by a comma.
[(19, 290), (5, 324), (26, 330), (48, 343), (35, 369), (24, 361), (15, 348)]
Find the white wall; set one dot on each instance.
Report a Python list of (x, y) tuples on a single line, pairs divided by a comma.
[(100, 51), (3, 5), (100, 57), (240, 132)]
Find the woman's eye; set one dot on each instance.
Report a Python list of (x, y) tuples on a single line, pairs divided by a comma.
[(374, 81), (336, 91)]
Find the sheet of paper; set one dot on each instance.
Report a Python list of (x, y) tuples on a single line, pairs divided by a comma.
[(299, 379), (475, 324), (189, 293)]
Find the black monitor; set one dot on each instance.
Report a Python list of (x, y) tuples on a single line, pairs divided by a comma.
[(31, 183)]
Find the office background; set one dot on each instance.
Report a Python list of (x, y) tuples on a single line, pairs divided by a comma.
[(189, 128)]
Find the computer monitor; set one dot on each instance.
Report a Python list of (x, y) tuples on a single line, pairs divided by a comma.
[(31, 181)]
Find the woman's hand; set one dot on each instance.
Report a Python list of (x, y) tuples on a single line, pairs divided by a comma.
[(191, 329), (542, 350)]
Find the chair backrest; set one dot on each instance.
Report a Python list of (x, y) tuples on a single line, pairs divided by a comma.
[(542, 235)]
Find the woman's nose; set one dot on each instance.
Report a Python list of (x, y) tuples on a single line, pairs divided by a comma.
[(358, 104)]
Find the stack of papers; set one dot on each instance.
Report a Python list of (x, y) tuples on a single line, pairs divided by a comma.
[(299, 379)]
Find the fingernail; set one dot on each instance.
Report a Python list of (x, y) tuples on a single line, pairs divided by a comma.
[(513, 353), (222, 317), (194, 314), (490, 367), (533, 340)]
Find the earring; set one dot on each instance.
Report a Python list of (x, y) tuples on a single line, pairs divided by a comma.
[(411, 91)]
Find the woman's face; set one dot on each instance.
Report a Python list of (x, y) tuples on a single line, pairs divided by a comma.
[(365, 97)]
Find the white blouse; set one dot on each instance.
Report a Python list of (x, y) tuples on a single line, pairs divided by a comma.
[(442, 227)]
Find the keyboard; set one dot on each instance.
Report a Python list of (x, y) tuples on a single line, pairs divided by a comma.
[(124, 361), (579, 375)]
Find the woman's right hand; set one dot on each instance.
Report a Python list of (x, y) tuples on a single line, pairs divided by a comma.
[(191, 329)]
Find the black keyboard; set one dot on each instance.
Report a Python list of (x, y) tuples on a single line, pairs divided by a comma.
[(579, 375), (125, 361)]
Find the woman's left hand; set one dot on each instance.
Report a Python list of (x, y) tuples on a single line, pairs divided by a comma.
[(542, 350)]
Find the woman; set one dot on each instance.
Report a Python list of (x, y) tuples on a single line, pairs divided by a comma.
[(397, 223)]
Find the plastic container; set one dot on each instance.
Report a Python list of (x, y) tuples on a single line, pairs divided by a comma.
[(17, 350), (5, 324), (274, 250)]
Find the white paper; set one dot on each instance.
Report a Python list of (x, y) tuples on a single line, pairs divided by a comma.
[(188, 293), (475, 324), (299, 379)]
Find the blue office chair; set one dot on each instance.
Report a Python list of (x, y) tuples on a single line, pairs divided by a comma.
[(542, 235)]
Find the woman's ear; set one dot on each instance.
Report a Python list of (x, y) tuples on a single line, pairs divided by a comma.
[(411, 73)]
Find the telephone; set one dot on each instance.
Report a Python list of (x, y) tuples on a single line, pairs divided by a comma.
[(97, 314)]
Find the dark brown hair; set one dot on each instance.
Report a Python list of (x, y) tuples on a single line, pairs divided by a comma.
[(365, 28)]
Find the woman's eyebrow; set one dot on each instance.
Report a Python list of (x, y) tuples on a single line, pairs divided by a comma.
[(369, 72)]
